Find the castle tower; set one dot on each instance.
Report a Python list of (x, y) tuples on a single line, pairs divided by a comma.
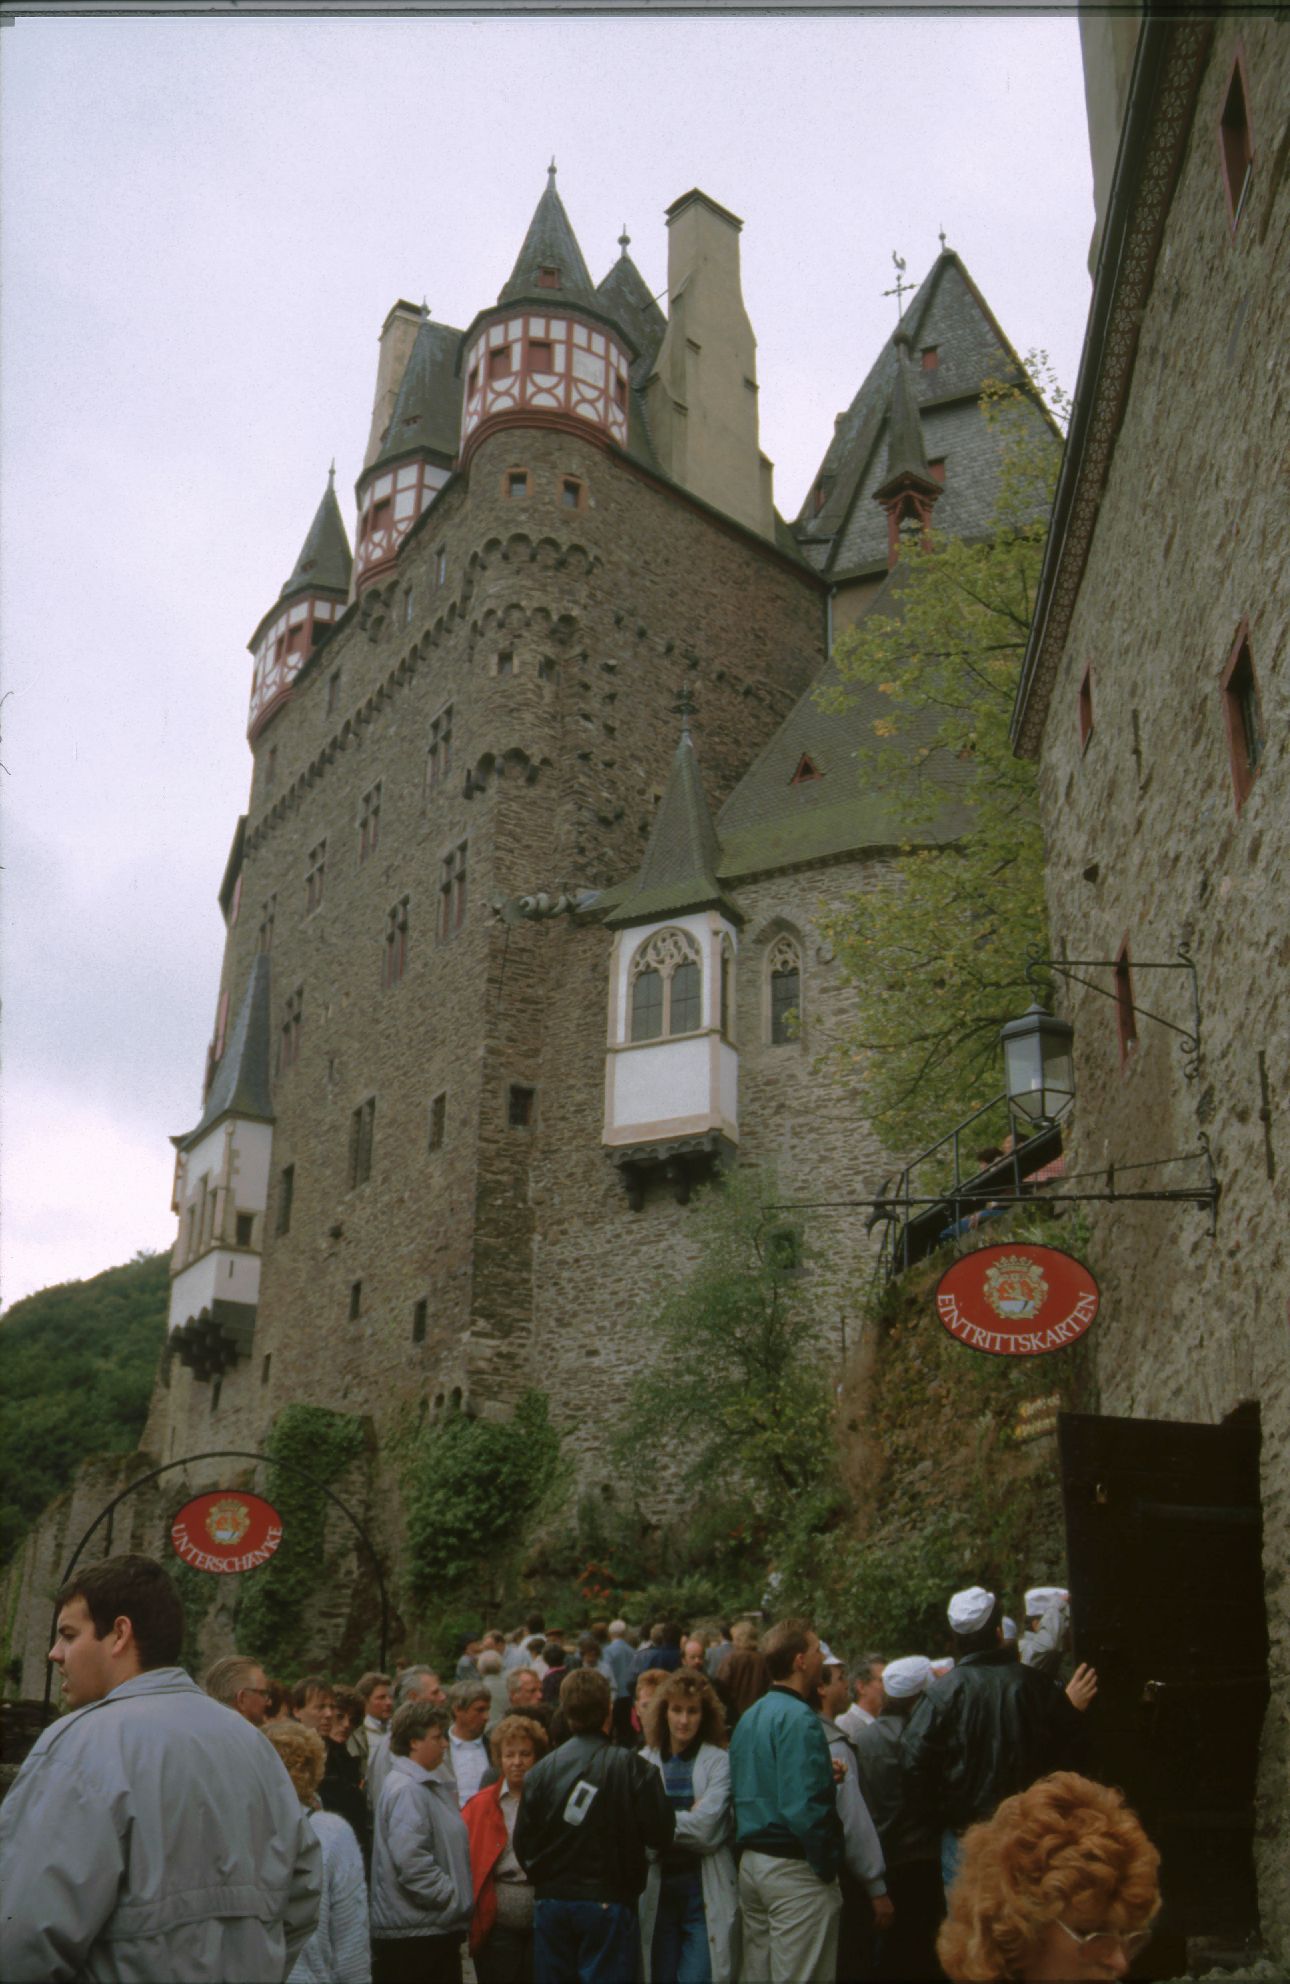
[(909, 489), (672, 1068), (222, 1171), (550, 352), (417, 450), (310, 602)]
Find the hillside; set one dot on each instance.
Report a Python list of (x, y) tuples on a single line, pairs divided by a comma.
[(76, 1368)]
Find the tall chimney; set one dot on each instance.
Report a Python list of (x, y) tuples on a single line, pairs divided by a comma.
[(398, 335)]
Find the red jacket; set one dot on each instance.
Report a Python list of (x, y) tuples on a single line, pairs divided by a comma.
[(487, 1829)]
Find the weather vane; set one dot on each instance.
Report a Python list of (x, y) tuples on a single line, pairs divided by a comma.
[(900, 286)]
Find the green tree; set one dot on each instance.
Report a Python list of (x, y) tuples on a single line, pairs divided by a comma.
[(731, 1387), (937, 959), (473, 1488)]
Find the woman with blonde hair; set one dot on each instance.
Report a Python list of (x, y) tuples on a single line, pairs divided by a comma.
[(337, 1952), (689, 1912), (1059, 1887)]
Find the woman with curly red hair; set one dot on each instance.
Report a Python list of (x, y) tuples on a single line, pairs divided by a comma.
[(1059, 1887)]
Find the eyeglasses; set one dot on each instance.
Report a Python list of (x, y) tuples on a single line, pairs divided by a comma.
[(266, 1692), (1102, 1943)]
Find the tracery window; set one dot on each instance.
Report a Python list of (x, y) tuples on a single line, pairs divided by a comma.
[(784, 978), (667, 987)]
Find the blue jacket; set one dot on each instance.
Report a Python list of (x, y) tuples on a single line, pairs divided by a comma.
[(782, 1778)]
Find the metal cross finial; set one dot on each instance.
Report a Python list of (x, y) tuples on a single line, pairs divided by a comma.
[(624, 239), (942, 239), (550, 171), (901, 286), (425, 308), (684, 707), (331, 473)]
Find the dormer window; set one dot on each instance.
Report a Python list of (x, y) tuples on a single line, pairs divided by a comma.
[(541, 355), (548, 277), (499, 363), (931, 356), (667, 987)]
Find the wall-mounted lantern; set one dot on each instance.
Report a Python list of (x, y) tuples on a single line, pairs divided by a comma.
[(1039, 1069)]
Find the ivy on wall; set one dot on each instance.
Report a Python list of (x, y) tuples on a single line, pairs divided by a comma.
[(270, 1617), (472, 1488)]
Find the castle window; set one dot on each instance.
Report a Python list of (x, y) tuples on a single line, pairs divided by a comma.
[(355, 1300), (438, 1120), (472, 380), (548, 277), (289, 1034), (243, 1229), (439, 756), (541, 355), (506, 662), (362, 1125), (315, 876), (420, 1311), (517, 482), (937, 469), (618, 386), (441, 566), (1243, 715), (784, 968), (452, 892), (572, 492), (727, 989), (1235, 141), (333, 691), (265, 1367), (369, 823), (216, 1388), (286, 1193), (519, 1106), (806, 771), (1126, 1020), (268, 915), (931, 357), (407, 606), (499, 363), (394, 958), (1086, 706), (667, 987)]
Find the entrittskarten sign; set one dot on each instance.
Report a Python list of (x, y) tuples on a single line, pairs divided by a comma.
[(1017, 1300)]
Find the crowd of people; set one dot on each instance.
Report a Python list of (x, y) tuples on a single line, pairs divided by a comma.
[(667, 1806)]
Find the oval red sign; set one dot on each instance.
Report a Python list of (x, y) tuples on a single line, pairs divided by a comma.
[(1017, 1301), (226, 1531)]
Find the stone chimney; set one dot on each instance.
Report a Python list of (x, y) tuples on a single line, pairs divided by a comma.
[(398, 335), (701, 398)]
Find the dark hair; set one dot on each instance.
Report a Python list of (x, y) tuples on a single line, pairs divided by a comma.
[(413, 1721), (310, 1684), (555, 1653), (671, 1633), (367, 1685), (984, 1638), (901, 1706), (745, 1678), (782, 1645), (349, 1703), (535, 1623), (585, 1698), (589, 1644), (683, 1684), (138, 1589)]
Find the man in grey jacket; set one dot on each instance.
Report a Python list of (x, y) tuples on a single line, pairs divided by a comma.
[(150, 1835)]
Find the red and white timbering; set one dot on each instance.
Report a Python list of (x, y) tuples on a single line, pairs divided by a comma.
[(546, 365), (390, 501), (280, 650)]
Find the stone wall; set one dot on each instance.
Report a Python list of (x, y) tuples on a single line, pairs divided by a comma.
[(1145, 841)]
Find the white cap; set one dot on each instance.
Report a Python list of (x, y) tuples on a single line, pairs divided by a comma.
[(902, 1678), (1009, 1628), (1041, 1596), (969, 1610), (942, 1666), (829, 1658)]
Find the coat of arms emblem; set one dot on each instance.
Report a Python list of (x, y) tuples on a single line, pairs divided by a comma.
[(1015, 1288), (228, 1521)]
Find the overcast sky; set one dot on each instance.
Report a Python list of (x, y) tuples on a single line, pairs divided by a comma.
[(203, 226)]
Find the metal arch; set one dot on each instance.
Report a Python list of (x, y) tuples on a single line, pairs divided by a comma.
[(226, 1453)]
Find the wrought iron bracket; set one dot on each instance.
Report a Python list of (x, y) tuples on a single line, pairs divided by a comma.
[(1070, 968)]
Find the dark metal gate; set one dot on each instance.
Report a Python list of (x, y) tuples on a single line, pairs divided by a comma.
[(1164, 1534)]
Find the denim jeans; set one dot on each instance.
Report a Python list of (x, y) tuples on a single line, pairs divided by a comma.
[(951, 1854), (680, 1951), (585, 1942)]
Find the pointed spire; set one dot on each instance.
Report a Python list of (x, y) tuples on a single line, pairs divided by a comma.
[(241, 1084), (426, 415), (550, 244), (679, 871), (325, 561), (624, 241), (906, 454), (625, 294)]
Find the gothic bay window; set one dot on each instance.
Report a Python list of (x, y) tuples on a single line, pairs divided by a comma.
[(315, 876), (667, 987), (369, 823), (394, 957), (784, 966), (452, 892), (439, 755), (289, 1032), (362, 1130)]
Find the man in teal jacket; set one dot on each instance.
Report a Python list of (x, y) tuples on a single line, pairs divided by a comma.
[(787, 1831)]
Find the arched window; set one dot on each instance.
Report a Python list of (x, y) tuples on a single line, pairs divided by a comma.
[(727, 989), (667, 987), (784, 968)]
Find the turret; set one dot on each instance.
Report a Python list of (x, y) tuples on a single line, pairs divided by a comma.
[(221, 1191), (417, 450), (909, 489), (672, 1067), (310, 602), (550, 352)]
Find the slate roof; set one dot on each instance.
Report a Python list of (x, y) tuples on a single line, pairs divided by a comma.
[(679, 871), (625, 295), (906, 455), (549, 243), (325, 559), (426, 417), (769, 822), (241, 1084)]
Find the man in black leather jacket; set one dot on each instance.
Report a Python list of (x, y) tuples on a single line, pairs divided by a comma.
[(588, 1813), (987, 1728)]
